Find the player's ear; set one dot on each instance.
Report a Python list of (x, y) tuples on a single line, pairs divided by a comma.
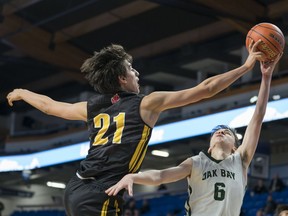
[(122, 79), (233, 149)]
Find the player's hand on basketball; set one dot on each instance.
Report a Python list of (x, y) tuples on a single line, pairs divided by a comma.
[(254, 54), (15, 95), (267, 67), (126, 182)]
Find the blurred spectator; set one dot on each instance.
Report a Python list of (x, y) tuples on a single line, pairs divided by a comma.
[(276, 184), (270, 206), (136, 212), (131, 209), (260, 212), (170, 214), (282, 210), (127, 212), (145, 207), (1, 208), (132, 204), (162, 187), (260, 187)]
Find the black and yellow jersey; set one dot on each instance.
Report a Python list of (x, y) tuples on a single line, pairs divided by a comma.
[(118, 137)]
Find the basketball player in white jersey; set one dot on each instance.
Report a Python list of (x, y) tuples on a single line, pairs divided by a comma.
[(216, 178)]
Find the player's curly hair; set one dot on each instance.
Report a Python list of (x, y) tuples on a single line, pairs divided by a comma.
[(103, 68), (234, 132)]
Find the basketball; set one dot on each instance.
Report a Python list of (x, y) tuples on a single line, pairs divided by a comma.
[(273, 40)]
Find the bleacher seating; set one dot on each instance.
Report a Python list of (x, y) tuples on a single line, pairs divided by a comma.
[(162, 205), (39, 213), (252, 203)]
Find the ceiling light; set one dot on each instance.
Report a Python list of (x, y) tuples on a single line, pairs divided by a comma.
[(276, 97), (56, 185), (160, 153), (253, 99), (239, 136)]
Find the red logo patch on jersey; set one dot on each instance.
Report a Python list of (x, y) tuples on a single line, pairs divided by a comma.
[(115, 99)]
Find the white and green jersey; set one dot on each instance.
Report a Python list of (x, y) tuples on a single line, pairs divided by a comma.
[(216, 187)]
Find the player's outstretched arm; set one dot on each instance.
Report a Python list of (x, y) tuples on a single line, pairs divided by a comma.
[(76, 111), (160, 101), (251, 137), (152, 177)]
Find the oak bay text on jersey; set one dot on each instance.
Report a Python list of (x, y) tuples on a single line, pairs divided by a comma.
[(218, 172)]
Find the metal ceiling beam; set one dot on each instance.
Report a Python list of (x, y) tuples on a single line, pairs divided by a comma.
[(195, 52), (277, 9), (244, 13), (35, 43), (49, 19), (199, 8), (104, 19), (199, 35), (16, 5)]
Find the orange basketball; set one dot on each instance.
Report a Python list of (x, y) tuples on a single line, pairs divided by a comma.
[(273, 40)]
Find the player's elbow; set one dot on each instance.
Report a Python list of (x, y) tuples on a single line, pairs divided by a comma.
[(156, 178), (49, 109), (209, 90), (45, 108), (46, 105)]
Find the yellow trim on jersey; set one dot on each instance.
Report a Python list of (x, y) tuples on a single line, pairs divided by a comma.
[(116, 207), (139, 154), (141, 159), (104, 208)]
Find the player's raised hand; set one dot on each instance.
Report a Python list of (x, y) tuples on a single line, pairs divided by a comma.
[(254, 54), (267, 67)]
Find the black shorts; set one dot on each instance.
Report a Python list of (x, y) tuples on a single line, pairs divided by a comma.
[(88, 198)]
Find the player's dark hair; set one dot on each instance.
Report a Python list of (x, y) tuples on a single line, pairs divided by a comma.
[(280, 208), (233, 130), (103, 69)]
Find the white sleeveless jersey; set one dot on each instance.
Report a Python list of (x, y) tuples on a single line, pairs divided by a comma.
[(215, 187)]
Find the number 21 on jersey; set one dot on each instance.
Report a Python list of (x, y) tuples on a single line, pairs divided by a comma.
[(102, 122)]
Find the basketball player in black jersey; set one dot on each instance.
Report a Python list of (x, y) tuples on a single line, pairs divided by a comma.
[(120, 122)]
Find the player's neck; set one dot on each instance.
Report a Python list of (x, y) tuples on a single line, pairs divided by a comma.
[(219, 154)]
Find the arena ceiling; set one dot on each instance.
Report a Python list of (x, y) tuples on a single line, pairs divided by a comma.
[(175, 43)]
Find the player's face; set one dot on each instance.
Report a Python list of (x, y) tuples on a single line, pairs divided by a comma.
[(130, 83), (223, 136)]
